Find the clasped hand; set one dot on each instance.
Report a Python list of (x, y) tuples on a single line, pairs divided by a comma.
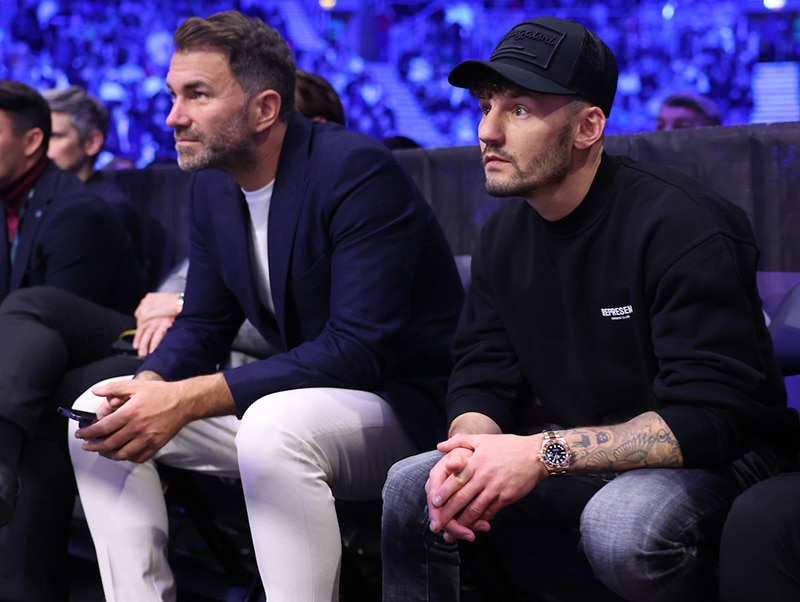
[(137, 419), (479, 476)]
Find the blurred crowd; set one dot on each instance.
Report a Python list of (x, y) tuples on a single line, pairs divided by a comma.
[(663, 47), (119, 51)]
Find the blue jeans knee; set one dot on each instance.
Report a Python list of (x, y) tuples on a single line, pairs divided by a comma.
[(653, 534)]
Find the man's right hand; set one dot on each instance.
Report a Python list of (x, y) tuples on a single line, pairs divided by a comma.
[(149, 335), (154, 315), (156, 305)]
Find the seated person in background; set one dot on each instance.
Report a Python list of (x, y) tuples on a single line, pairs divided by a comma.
[(80, 126), (613, 370), (400, 142), (687, 110), (57, 236), (356, 285), (759, 556), (315, 98), (57, 232)]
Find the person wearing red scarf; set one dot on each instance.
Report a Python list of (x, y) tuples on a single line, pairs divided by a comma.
[(14, 194), (58, 235), (47, 211)]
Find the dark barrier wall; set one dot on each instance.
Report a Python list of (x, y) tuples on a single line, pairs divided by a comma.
[(755, 166), (160, 193)]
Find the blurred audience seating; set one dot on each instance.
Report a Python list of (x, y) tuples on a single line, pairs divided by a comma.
[(375, 54)]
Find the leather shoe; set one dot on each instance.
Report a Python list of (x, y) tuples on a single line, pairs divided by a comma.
[(9, 492)]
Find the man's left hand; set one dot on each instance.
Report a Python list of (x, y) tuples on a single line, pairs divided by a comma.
[(470, 489)]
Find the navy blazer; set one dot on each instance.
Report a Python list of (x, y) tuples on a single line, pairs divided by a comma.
[(73, 240), (365, 289)]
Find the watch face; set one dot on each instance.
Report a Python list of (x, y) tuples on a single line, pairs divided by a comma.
[(556, 454)]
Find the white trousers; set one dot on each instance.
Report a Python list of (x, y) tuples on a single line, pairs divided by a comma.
[(295, 451)]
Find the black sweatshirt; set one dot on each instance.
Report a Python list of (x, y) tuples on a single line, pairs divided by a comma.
[(643, 298)]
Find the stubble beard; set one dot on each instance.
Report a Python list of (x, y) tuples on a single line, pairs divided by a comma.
[(231, 149), (551, 166)]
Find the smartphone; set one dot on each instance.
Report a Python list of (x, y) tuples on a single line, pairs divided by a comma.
[(84, 418)]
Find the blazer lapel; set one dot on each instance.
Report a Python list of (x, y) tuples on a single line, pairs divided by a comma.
[(238, 238), (288, 196), (5, 263), (34, 209)]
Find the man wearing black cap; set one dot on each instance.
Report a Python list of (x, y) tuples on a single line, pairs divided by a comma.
[(612, 339)]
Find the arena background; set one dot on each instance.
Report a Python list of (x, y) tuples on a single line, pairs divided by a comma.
[(389, 59)]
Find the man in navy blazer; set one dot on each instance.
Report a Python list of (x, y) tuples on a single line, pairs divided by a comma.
[(320, 240)]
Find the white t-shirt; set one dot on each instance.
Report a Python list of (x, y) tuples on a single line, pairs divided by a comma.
[(258, 201)]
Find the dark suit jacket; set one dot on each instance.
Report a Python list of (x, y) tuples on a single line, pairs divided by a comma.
[(71, 239), (365, 289), (102, 186)]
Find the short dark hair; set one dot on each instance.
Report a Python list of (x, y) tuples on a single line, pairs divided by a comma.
[(258, 56), (701, 105), (26, 108), (315, 97), (86, 113)]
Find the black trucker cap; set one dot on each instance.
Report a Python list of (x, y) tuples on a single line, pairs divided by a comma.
[(552, 56)]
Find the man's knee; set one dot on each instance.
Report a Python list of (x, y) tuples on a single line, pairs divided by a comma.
[(260, 437), (651, 534), (613, 533), (41, 302), (88, 401), (405, 515), (276, 433), (404, 489)]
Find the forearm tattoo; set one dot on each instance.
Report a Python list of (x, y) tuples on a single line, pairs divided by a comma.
[(643, 442)]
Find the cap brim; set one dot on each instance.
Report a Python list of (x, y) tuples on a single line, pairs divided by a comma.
[(467, 73)]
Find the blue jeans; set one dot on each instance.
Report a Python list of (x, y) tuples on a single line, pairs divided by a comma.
[(649, 534)]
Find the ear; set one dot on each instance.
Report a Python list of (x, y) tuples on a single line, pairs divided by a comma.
[(591, 125), (32, 142), (266, 108), (93, 143)]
